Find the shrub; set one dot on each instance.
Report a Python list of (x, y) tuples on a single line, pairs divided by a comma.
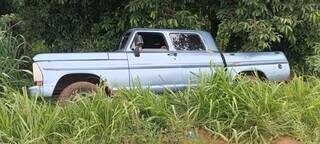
[(80, 25)]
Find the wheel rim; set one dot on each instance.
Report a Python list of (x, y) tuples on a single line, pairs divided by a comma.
[(80, 93)]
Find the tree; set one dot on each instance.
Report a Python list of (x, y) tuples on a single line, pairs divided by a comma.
[(291, 26), (5, 7)]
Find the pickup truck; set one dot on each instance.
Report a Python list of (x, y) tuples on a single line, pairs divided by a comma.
[(156, 58)]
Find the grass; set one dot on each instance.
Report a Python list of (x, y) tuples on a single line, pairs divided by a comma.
[(244, 111), (11, 63)]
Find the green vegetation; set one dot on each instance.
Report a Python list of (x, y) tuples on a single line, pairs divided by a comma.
[(11, 63), (243, 111), (292, 26)]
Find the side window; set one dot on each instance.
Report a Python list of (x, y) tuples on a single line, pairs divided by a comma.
[(187, 42), (150, 41)]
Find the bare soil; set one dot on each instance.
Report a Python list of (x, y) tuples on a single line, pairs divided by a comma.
[(203, 136), (286, 140)]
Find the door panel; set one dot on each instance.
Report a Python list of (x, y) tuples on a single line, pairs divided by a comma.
[(193, 64), (193, 56), (154, 69)]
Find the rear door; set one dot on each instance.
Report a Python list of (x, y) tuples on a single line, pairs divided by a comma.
[(193, 57)]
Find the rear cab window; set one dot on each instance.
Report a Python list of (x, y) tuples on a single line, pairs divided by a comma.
[(187, 42)]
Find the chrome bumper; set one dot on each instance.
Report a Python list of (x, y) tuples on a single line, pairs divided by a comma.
[(35, 91)]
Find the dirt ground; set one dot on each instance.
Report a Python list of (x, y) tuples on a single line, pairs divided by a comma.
[(204, 137), (285, 140)]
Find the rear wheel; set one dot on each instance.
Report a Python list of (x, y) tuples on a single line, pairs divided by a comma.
[(76, 90), (247, 77), (252, 76)]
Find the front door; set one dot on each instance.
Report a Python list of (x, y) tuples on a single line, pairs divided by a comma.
[(156, 66)]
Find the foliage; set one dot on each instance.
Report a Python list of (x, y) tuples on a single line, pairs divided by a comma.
[(258, 25), (11, 59), (6, 6), (242, 111), (290, 26), (314, 61), (81, 25)]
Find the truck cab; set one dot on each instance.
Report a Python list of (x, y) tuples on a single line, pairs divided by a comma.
[(166, 54)]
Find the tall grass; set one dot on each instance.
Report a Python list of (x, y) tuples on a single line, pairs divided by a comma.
[(244, 111), (11, 61)]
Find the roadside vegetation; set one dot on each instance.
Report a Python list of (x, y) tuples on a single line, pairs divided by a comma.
[(242, 111), (12, 71)]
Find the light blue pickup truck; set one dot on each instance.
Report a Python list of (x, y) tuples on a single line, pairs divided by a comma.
[(157, 58)]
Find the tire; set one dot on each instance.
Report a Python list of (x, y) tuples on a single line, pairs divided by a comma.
[(252, 77), (72, 90)]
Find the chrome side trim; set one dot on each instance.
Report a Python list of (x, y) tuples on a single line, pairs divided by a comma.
[(248, 63), (85, 60)]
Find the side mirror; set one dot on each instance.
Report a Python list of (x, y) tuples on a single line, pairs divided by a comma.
[(139, 41), (136, 52), (138, 45)]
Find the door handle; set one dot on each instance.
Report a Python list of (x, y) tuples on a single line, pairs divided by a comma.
[(172, 54)]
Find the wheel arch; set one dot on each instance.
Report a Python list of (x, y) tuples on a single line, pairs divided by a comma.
[(68, 79), (258, 73)]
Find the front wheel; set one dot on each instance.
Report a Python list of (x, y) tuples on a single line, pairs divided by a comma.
[(71, 92)]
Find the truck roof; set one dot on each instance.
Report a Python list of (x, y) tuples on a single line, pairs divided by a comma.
[(169, 30)]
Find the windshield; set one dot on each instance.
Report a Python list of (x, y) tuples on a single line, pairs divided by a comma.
[(124, 40)]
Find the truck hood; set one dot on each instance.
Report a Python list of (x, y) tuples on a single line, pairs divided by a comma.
[(71, 56), (80, 56)]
